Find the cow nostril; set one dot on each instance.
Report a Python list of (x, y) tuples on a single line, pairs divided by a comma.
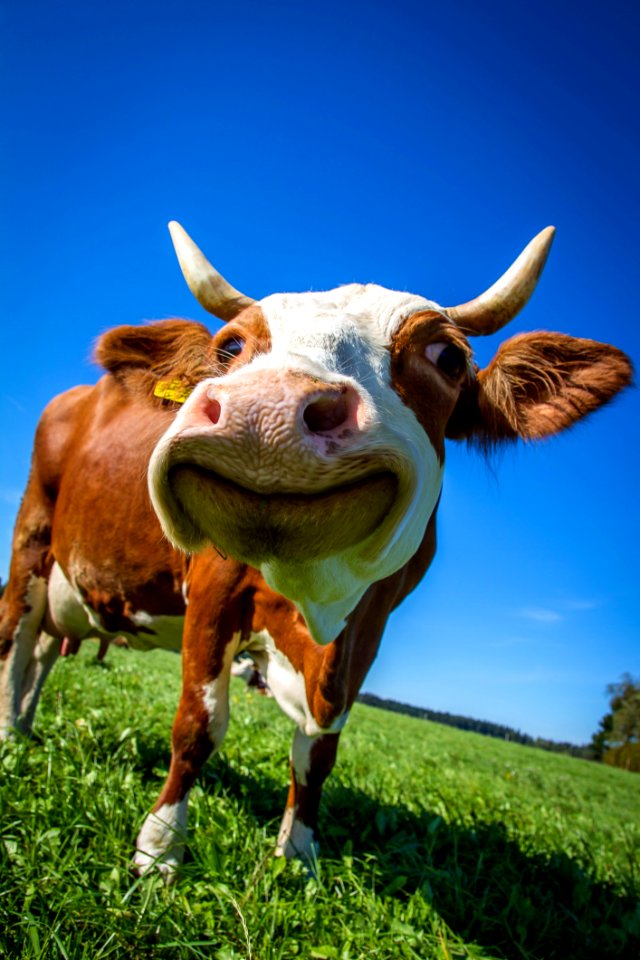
[(326, 413), (212, 410)]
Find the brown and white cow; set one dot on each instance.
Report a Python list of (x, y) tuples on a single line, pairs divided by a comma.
[(244, 668), (294, 463)]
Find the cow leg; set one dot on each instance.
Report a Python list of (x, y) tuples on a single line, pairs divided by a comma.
[(198, 730), (45, 654), (312, 760), (21, 619)]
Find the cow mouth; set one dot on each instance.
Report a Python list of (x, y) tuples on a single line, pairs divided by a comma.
[(257, 527)]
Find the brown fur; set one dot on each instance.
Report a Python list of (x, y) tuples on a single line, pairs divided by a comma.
[(421, 386), (537, 385), (138, 357), (105, 534)]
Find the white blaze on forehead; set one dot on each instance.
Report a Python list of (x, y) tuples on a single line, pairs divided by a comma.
[(340, 336), (346, 333)]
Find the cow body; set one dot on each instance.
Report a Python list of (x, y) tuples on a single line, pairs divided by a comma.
[(294, 464)]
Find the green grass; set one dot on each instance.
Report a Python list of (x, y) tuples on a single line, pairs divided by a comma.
[(435, 843)]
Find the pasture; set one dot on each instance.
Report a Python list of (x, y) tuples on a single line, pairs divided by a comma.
[(435, 843)]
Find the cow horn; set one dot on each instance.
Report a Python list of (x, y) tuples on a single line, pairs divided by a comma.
[(209, 288), (500, 303)]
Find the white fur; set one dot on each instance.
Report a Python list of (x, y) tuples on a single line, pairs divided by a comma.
[(16, 665), (161, 841), (215, 696), (45, 654), (301, 755), (69, 615), (295, 839), (345, 332), (287, 685), (339, 336), (243, 669)]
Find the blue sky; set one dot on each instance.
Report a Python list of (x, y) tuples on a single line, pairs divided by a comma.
[(305, 145)]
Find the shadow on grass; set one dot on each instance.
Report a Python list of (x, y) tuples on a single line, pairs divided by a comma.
[(489, 890), (484, 886)]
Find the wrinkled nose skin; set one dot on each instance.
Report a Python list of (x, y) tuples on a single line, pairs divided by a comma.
[(323, 486), (271, 416), (272, 464)]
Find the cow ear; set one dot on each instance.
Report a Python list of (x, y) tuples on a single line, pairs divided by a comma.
[(537, 385), (152, 346)]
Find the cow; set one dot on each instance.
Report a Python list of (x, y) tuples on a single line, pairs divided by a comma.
[(269, 489), (245, 669)]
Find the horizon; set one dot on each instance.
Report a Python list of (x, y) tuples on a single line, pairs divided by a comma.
[(308, 146)]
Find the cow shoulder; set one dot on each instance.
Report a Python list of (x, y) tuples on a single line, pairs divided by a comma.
[(537, 385), (61, 420)]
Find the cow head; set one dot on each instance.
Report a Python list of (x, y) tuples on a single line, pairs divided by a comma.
[(313, 445)]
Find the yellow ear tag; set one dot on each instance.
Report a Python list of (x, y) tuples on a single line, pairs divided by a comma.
[(174, 390)]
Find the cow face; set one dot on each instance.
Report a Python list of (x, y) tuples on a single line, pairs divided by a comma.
[(314, 450)]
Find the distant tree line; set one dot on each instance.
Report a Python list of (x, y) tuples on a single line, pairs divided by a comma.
[(617, 740), (485, 727)]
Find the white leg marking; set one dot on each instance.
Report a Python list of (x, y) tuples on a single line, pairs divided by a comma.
[(17, 662), (287, 684), (215, 696), (301, 755), (295, 839), (47, 651), (161, 841)]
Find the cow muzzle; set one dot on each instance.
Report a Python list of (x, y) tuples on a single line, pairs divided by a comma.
[(267, 464)]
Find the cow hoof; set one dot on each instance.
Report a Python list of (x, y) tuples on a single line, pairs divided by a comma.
[(296, 842), (160, 843), (307, 861), (144, 863), (19, 732)]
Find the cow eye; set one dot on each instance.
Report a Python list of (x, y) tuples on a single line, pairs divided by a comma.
[(230, 348), (448, 358)]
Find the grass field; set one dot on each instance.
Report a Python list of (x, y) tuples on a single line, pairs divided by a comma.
[(435, 843)]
